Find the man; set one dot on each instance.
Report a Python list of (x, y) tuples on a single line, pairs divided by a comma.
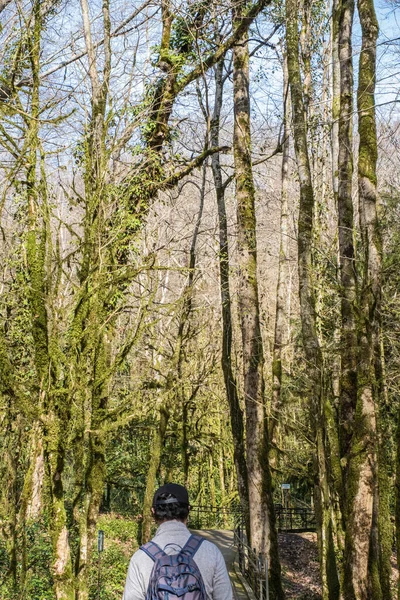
[(170, 510)]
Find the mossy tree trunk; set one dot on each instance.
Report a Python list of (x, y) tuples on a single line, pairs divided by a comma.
[(236, 413), (263, 534), (307, 307), (366, 573), (348, 275), (248, 292), (335, 74), (89, 334), (11, 438), (335, 114), (343, 16), (371, 304), (154, 464), (50, 445)]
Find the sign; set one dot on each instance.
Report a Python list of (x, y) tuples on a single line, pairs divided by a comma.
[(285, 486), (100, 541)]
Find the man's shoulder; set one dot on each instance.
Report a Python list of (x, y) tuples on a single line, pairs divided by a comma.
[(139, 557), (209, 549), (209, 545), (205, 539), (206, 547)]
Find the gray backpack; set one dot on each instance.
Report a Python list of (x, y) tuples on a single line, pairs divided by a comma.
[(175, 576)]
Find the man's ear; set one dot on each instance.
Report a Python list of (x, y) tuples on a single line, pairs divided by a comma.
[(152, 510)]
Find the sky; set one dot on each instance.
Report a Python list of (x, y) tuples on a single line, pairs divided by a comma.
[(388, 63)]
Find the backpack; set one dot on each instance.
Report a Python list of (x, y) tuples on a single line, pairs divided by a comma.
[(175, 576)]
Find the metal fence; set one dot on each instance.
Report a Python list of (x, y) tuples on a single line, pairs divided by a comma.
[(206, 517), (294, 519), (287, 519), (253, 566)]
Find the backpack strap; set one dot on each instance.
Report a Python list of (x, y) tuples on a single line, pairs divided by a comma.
[(192, 545), (152, 550)]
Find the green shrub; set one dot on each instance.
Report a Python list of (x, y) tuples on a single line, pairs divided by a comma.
[(118, 528), (39, 580), (119, 545), (6, 593)]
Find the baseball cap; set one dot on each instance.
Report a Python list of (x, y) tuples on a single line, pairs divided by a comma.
[(179, 493)]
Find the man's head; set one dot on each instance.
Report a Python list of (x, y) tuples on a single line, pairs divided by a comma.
[(170, 503)]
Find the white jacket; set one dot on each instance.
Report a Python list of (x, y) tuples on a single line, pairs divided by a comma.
[(171, 536)]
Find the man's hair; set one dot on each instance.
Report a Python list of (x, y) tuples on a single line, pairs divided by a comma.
[(170, 511)]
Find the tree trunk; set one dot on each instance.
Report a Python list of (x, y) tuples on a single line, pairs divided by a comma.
[(348, 276), (262, 518), (248, 292), (11, 444), (335, 96), (31, 502), (281, 330), (185, 443), (93, 474), (307, 307), (365, 564), (50, 458), (385, 482), (236, 414), (154, 463)]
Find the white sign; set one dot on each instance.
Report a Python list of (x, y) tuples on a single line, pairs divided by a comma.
[(285, 486)]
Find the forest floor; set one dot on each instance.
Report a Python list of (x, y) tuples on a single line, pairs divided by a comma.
[(300, 568)]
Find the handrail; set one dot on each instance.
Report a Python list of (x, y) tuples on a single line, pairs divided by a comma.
[(253, 566)]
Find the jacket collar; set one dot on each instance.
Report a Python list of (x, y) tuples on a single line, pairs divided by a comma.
[(169, 526)]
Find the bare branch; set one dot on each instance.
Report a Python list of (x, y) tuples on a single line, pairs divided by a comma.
[(173, 179), (212, 60), (65, 63), (4, 4)]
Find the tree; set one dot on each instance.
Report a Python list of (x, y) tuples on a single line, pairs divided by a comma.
[(231, 385), (280, 334), (310, 339), (262, 518)]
